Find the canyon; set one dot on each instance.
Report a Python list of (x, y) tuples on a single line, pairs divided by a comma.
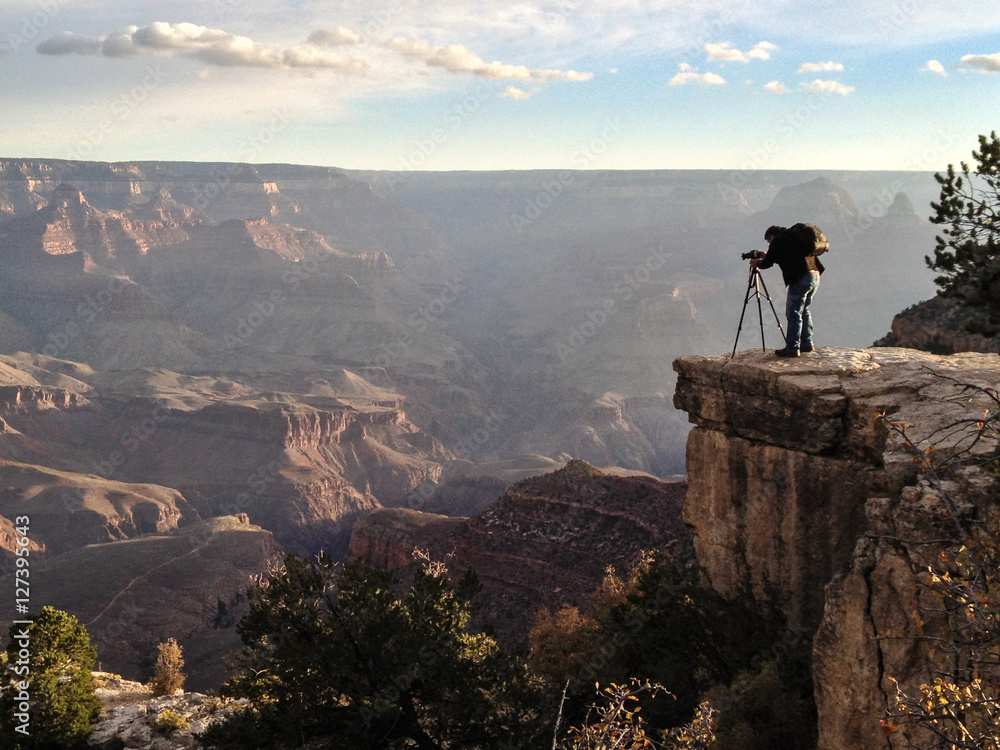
[(226, 362)]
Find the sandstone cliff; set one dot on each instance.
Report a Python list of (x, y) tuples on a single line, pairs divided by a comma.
[(793, 479), (545, 542), (938, 325), (116, 455)]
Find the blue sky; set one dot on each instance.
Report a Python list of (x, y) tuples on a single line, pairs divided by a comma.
[(452, 84)]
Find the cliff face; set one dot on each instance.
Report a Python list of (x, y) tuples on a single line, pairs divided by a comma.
[(793, 479), (120, 465), (938, 325)]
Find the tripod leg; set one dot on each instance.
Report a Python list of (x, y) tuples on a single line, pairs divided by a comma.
[(760, 314), (746, 299), (768, 296)]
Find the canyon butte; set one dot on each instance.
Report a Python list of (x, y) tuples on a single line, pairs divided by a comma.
[(203, 366)]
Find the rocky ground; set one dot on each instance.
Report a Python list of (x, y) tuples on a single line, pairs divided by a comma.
[(134, 720)]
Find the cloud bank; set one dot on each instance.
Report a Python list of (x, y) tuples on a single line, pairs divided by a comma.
[(212, 46), (221, 48)]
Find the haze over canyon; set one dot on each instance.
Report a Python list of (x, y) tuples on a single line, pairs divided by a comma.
[(234, 351)]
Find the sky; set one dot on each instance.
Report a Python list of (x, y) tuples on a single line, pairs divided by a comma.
[(452, 84)]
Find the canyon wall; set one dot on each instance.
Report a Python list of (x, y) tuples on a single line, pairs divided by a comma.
[(796, 482)]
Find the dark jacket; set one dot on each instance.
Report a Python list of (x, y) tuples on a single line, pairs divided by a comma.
[(786, 253)]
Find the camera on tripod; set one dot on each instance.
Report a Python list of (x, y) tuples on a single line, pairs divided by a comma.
[(758, 290)]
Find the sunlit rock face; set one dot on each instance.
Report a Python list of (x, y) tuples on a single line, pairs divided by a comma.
[(794, 479)]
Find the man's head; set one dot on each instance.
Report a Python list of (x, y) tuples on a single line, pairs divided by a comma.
[(771, 231)]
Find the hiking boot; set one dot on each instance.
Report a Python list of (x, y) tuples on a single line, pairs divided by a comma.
[(786, 352)]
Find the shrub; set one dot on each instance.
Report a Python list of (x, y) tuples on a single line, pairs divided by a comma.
[(168, 677), (169, 721)]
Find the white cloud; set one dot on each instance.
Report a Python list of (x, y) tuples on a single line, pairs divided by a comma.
[(776, 87), (688, 75), (212, 46), (983, 63), (458, 59), (513, 92), (933, 66), (334, 38), (823, 67), (828, 87), (725, 51)]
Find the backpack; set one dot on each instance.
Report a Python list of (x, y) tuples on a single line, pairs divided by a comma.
[(809, 239)]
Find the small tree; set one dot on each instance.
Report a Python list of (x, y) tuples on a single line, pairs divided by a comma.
[(960, 707), (168, 677), (48, 670), (958, 616), (334, 658), (616, 723), (968, 251)]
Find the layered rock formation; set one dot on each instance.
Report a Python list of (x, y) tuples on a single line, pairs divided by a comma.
[(121, 455), (938, 325), (546, 541), (795, 481)]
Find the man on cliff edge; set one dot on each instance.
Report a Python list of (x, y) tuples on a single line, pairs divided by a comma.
[(801, 275)]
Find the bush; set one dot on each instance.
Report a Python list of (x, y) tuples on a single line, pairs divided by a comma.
[(169, 721), (168, 677), (661, 626)]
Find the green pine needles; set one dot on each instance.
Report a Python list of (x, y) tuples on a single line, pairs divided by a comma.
[(967, 254), (47, 699)]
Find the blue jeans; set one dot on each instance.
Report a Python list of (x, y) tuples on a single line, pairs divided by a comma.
[(800, 325)]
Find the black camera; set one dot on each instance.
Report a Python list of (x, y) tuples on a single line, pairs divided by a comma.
[(753, 255)]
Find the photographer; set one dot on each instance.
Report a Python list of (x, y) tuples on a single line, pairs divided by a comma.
[(801, 275)]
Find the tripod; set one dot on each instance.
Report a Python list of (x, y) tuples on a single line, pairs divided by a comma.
[(756, 288)]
